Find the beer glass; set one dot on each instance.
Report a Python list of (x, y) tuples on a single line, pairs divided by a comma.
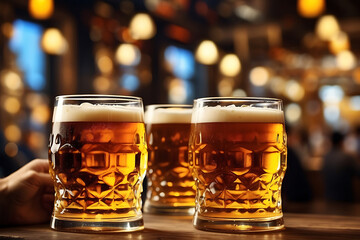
[(237, 155), (98, 159), (171, 187)]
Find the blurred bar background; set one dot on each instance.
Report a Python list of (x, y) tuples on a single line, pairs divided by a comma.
[(305, 52)]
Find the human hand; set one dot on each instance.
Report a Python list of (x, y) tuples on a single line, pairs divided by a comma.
[(27, 195)]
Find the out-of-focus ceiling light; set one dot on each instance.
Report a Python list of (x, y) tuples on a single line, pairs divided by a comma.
[(53, 42), (128, 54), (142, 27), (207, 53), (345, 60), (230, 65), (259, 76), (11, 80), (327, 27), (41, 9), (292, 112), (294, 91), (310, 8)]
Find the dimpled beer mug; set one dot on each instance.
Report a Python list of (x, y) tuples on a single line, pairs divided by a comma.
[(171, 188), (98, 159), (237, 155)]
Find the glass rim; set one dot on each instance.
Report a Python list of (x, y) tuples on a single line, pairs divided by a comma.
[(238, 99), (97, 97), (168, 105)]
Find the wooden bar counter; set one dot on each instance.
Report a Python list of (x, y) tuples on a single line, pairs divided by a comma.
[(297, 226)]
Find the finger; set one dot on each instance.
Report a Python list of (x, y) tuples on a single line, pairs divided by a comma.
[(39, 165), (38, 179)]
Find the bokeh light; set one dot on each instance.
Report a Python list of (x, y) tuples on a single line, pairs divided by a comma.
[(310, 8), (230, 65), (105, 64), (277, 84), (181, 61), (239, 93), (339, 42), (142, 27), (355, 103), (102, 84), (11, 149), (35, 99), (128, 54), (225, 87), (12, 133), (12, 105), (177, 91), (36, 140), (345, 60), (11, 80), (327, 27), (53, 42), (207, 53), (259, 76), (130, 82), (293, 113), (30, 58), (41, 9), (40, 114), (331, 94), (332, 114), (294, 91)]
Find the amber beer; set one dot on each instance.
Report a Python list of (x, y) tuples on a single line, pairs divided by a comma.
[(171, 188), (98, 158), (238, 159)]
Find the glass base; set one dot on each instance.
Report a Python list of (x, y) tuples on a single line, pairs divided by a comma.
[(168, 210), (238, 225), (104, 225)]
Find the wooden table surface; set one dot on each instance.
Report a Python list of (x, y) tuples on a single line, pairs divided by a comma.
[(297, 226)]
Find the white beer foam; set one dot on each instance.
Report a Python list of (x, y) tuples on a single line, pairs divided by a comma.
[(168, 115), (237, 114), (87, 112)]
